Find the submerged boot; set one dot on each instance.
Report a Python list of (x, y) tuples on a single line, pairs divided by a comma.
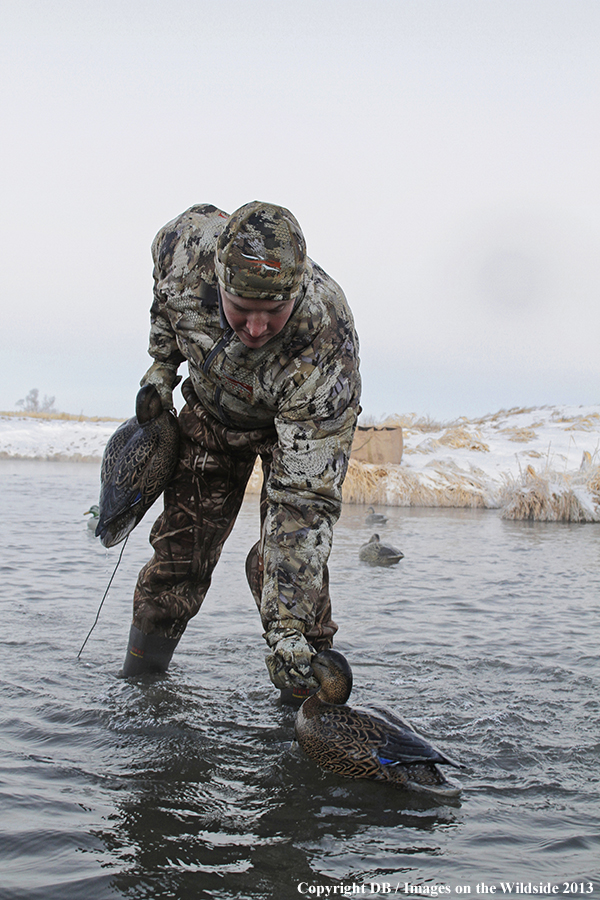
[(147, 653)]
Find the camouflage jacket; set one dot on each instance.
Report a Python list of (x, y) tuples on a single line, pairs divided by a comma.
[(305, 382)]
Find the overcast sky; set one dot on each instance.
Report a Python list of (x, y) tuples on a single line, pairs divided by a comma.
[(442, 158)]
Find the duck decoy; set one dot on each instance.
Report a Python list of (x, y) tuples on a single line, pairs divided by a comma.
[(94, 512), (375, 518), (377, 554), (138, 462), (371, 742)]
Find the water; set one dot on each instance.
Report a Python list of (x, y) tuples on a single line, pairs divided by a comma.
[(189, 786)]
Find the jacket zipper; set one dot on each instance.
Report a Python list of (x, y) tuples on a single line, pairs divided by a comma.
[(208, 363)]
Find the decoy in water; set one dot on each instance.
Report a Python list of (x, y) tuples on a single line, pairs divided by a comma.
[(138, 462), (94, 512), (371, 742), (374, 518), (377, 554)]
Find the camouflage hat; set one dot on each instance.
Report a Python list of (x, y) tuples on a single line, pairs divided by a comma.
[(261, 253)]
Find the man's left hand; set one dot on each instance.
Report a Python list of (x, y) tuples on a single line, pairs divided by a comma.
[(289, 661)]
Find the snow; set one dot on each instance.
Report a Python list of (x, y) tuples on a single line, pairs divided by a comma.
[(555, 437), (493, 461), (26, 437)]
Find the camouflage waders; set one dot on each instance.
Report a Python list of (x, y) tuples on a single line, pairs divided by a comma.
[(201, 504)]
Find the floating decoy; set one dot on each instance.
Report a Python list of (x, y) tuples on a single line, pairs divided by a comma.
[(372, 743), (377, 554), (138, 462), (94, 512), (374, 518)]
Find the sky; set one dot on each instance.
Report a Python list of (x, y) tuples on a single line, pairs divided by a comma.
[(440, 155)]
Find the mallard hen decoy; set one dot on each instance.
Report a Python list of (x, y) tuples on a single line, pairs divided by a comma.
[(138, 462), (377, 554), (372, 743), (375, 518), (94, 512)]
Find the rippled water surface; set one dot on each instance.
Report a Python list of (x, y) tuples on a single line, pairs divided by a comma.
[(189, 786)]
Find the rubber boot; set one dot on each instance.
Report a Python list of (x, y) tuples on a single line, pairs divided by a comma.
[(295, 696), (147, 653)]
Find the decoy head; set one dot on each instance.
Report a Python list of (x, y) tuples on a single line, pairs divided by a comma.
[(375, 539), (148, 404), (93, 511), (334, 675)]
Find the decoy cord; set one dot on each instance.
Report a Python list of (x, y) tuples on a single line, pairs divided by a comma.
[(104, 597)]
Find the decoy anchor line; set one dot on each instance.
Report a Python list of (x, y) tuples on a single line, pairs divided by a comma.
[(104, 597)]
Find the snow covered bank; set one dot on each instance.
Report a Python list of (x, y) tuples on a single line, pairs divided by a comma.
[(26, 437), (541, 463)]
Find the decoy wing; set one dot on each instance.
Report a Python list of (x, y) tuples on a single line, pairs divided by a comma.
[(399, 742), (114, 448), (124, 487)]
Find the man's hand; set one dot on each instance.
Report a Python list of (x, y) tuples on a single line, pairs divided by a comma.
[(164, 380), (289, 660)]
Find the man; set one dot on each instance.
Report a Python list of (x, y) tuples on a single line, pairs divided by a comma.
[(273, 372)]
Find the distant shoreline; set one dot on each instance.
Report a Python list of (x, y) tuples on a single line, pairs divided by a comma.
[(59, 416), (51, 458), (539, 463)]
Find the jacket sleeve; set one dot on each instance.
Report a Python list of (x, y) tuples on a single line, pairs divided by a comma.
[(182, 253), (163, 347), (315, 428)]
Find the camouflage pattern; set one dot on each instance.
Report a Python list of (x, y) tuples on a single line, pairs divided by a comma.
[(138, 461), (294, 402), (200, 508), (241, 260)]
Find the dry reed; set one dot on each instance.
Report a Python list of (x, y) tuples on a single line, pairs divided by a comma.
[(443, 484), (459, 436), (582, 423), (519, 434), (550, 496)]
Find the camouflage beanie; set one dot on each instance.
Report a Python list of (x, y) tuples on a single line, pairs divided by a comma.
[(261, 253)]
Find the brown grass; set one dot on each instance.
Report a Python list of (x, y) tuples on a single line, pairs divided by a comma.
[(503, 414), (392, 485), (459, 436), (582, 423), (519, 434), (550, 496)]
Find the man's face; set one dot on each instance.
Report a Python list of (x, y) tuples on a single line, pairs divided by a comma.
[(255, 321)]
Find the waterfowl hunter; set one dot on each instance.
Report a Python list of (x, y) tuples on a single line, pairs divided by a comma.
[(372, 743)]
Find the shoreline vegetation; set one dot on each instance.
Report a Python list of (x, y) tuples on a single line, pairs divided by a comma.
[(530, 463), (59, 416)]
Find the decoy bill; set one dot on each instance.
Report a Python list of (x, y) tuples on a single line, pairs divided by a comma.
[(372, 743), (94, 512)]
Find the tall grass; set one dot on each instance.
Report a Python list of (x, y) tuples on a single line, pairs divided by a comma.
[(551, 496)]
